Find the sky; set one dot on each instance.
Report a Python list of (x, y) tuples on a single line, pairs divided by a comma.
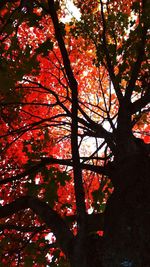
[(72, 11)]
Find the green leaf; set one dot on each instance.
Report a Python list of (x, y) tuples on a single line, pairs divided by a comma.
[(137, 88), (62, 177), (120, 50), (5, 241), (123, 67), (57, 5), (33, 20), (66, 205), (102, 207), (98, 197), (62, 28), (51, 193), (40, 259), (28, 262), (32, 189), (46, 135), (6, 83), (45, 48), (112, 48), (135, 6), (31, 248)]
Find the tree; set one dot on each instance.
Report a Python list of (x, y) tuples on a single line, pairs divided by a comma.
[(74, 134)]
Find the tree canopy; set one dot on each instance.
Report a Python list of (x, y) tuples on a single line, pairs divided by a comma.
[(74, 138)]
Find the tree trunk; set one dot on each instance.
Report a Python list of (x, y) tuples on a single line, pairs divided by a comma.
[(127, 215), (126, 241)]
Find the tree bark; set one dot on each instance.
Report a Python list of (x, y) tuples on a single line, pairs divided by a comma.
[(127, 215)]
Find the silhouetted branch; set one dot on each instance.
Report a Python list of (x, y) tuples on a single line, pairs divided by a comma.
[(46, 213), (45, 161), (140, 103)]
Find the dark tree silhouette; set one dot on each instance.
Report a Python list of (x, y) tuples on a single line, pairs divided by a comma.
[(64, 86)]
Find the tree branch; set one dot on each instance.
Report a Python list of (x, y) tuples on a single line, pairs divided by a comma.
[(4, 2), (59, 38), (95, 221), (98, 130), (24, 229), (140, 103), (108, 59), (140, 52), (58, 226), (74, 127), (45, 161)]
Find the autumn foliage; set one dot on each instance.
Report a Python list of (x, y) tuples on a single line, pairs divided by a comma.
[(74, 103)]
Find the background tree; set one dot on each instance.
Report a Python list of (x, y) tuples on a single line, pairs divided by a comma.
[(74, 98)]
